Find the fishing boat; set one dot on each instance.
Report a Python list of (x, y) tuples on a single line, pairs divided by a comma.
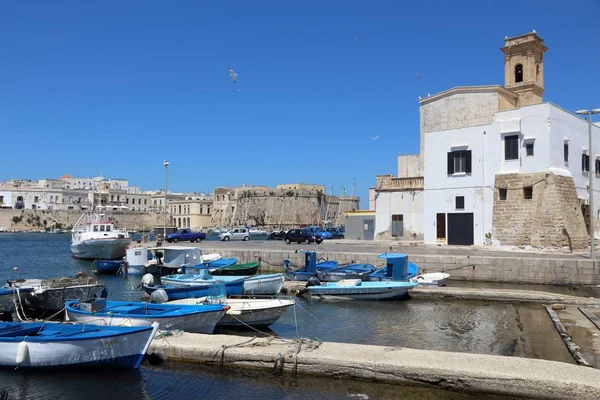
[(397, 268), (196, 319), (352, 271), (51, 294), (355, 289), (166, 260), (211, 257), (208, 288), (221, 262), (8, 297), (247, 311), (107, 266), (95, 238), (268, 284), (52, 345), (246, 269), (310, 268)]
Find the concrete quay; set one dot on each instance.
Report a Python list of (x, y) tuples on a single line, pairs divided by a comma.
[(463, 263), (507, 376)]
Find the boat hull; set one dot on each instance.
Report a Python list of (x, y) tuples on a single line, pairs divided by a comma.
[(125, 349), (197, 291), (237, 270), (433, 279), (7, 297), (55, 298), (101, 249), (365, 291), (108, 266), (199, 322), (267, 285)]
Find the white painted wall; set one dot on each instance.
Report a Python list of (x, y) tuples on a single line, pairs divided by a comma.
[(8, 197), (441, 188), (409, 204)]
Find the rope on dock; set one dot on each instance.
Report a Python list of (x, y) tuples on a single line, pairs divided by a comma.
[(574, 349)]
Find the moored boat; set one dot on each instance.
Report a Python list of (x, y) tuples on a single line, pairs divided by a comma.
[(209, 288), (397, 268), (53, 345), (432, 279), (352, 271), (107, 266), (248, 311), (355, 289), (268, 284), (310, 268), (250, 268), (196, 319), (95, 238), (8, 297)]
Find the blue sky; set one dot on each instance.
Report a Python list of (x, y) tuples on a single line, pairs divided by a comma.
[(114, 87)]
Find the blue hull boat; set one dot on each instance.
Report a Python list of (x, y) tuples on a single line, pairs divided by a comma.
[(107, 266), (355, 289), (397, 268), (267, 285), (310, 268), (352, 271), (32, 345), (195, 319), (211, 288), (221, 263)]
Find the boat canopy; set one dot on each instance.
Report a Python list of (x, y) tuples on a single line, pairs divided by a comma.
[(397, 265)]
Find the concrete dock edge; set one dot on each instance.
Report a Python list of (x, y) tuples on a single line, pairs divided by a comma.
[(509, 376)]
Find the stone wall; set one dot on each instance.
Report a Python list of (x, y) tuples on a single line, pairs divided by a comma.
[(551, 218), (41, 219)]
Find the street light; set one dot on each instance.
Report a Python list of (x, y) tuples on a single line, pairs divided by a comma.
[(590, 175), (166, 164)]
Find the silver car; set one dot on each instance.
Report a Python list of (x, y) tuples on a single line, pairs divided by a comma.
[(235, 234)]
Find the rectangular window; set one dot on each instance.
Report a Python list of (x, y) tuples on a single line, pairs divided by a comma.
[(95, 228), (511, 147), (460, 202), (529, 149), (528, 192), (502, 194), (585, 162), (566, 152), (101, 228), (597, 170), (459, 162)]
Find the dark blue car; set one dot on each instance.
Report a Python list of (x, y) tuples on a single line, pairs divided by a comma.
[(337, 233)]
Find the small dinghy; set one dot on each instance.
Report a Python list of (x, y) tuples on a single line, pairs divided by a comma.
[(246, 269), (197, 319), (247, 311), (209, 288), (432, 279), (107, 266), (352, 271), (53, 345), (268, 284), (310, 268)]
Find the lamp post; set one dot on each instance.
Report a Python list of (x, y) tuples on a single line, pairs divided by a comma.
[(166, 164), (590, 175)]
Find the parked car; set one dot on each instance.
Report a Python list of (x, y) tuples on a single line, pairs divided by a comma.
[(235, 234), (301, 236), (276, 235), (318, 231), (337, 233), (185, 235), (257, 231)]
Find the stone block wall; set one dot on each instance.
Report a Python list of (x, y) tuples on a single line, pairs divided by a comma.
[(551, 218)]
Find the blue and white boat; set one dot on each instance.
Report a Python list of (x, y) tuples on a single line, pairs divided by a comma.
[(53, 345), (397, 268), (268, 284), (196, 319), (355, 289), (221, 262), (211, 288), (107, 266), (310, 268), (352, 271)]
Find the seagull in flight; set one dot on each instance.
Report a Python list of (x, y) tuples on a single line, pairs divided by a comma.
[(355, 37), (375, 137), (418, 75), (233, 75)]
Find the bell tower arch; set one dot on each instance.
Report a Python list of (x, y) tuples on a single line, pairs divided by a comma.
[(524, 67)]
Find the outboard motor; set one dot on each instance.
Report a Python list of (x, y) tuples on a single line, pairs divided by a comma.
[(159, 296), (313, 281), (148, 280)]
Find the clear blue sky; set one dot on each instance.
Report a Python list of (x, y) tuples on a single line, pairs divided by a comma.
[(116, 87)]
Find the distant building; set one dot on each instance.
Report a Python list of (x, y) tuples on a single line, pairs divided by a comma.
[(194, 212), (302, 185)]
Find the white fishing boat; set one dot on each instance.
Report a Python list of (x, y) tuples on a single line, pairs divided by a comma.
[(51, 345), (246, 311), (95, 238), (155, 259), (51, 294), (432, 279), (264, 284)]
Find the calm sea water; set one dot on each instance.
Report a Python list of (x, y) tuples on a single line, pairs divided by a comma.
[(487, 328)]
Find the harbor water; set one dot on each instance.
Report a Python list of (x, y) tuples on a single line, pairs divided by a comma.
[(475, 327)]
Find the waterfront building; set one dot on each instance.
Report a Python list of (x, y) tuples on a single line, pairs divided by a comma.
[(515, 170), (194, 212)]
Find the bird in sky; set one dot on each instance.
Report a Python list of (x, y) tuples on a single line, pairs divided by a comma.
[(355, 37), (233, 75), (418, 75), (375, 137)]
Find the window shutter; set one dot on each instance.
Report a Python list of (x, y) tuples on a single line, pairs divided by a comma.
[(597, 166), (450, 163), (583, 162), (468, 161)]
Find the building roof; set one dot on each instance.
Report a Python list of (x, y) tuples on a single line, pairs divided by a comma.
[(469, 89), (66, 176)]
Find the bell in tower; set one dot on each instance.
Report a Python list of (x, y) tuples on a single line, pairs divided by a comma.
[(524, 67)]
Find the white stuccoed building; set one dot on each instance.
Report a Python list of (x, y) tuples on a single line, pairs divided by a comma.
[(495, 160)]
